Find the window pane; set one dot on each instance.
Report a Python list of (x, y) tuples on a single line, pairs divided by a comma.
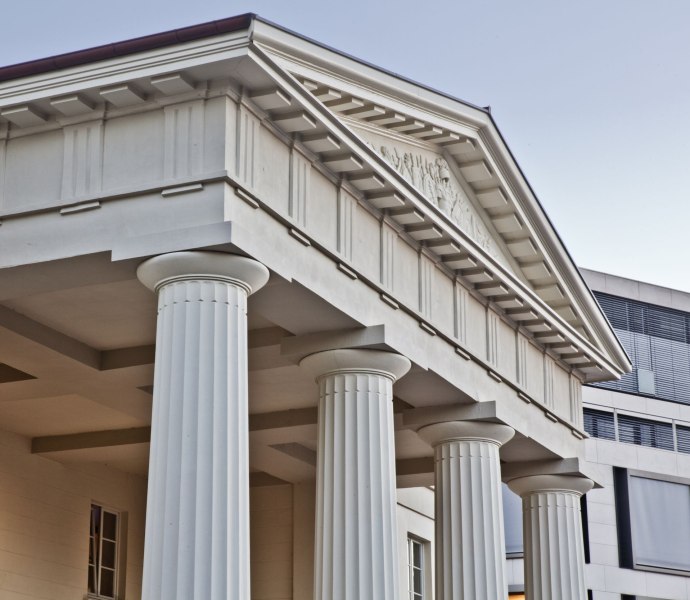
[(683, 437), (599, 424), (660, 519), (107, 583), (417, 582), (94, 547), (92, 580), (643, 432), (417, 554), (512, 519), (108, 559), (109, 525)]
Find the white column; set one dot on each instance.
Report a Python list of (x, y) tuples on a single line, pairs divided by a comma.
[(197, 514), (552, 532), (470, 541), (355, 552)]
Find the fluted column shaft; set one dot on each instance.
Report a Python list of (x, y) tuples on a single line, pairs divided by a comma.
[(197, 516), (552, 532), (470, 540), (355, 550)]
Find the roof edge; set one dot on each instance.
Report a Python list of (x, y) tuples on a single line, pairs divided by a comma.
[(366, 63), (124, 48)]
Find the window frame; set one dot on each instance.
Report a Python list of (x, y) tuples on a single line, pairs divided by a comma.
[(627, 558), (411, 567), (118, 582)]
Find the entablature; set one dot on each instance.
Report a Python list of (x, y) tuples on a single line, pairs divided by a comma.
[(504, 260)]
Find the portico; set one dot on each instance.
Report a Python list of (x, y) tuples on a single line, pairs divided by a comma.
[(357, 293)]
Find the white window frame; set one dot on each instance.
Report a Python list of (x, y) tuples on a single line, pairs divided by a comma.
[(413, 541), (97, 565)]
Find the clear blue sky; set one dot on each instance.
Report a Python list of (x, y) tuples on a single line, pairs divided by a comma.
[(592, 96)]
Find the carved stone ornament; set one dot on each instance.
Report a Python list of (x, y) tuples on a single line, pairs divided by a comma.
[(434, 179)]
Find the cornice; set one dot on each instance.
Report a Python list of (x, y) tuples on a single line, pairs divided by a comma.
[(300, 50), (117, 70)]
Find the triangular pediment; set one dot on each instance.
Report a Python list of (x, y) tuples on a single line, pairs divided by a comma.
[(441, 169), (453, 171)]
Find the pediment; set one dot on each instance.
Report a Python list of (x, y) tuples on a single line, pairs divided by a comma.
[(447, 178)]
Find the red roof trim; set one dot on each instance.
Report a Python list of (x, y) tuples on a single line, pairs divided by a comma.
[(140, 44)]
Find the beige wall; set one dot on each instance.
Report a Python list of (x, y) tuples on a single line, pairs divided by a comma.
[(271, 542), (282, 538), (44, 528), (44, 523)]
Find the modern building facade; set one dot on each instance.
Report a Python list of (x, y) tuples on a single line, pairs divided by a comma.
[(265, 310), (638, 522)]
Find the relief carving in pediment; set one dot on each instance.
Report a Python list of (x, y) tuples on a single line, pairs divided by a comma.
[(431, 174)]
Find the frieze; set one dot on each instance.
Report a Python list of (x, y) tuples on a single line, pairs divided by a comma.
[(434, 179)]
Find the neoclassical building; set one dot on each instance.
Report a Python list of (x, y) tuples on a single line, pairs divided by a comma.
[(266, 311)]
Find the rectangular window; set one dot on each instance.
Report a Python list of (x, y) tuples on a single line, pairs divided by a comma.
[(104, 540), (643, 432), (599, 424), (657, 340), (660, 519), (415, 562), (653, 518)]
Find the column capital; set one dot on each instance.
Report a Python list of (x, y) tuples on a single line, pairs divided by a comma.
[(535, 484), (377, 362), (219, 266), (453, 431)]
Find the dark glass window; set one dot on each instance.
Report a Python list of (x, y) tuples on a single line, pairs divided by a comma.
[(599, 424), (657, 340), (683, 438), (512, 522), (643, 432)]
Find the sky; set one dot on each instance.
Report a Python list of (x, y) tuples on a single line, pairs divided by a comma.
[(592, 97)]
